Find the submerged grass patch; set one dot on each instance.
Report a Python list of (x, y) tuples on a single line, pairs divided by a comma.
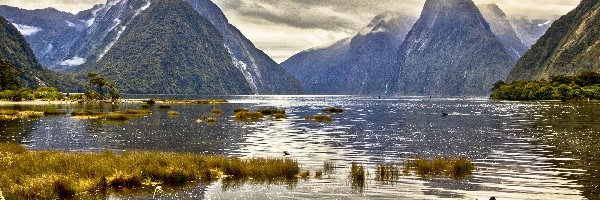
[(319, 118), (387, 172), (164, 107), (457, 168), (216, 111), (53, 175), (271, 111), (357, 176), (333, 110), (87, 113), (246, 116), (173, 113)]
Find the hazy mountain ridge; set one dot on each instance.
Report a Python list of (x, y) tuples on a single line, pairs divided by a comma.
[(571, 45), (503, 29), (357, 65)]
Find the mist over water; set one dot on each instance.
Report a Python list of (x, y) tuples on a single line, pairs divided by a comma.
[(521, 150)]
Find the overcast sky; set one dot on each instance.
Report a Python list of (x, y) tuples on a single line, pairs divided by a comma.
[(282, 28)]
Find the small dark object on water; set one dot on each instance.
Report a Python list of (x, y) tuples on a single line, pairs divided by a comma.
[(493, 198), (444, 114), (285, 153)]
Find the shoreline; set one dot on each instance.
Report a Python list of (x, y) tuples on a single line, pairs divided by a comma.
[(121, 101)]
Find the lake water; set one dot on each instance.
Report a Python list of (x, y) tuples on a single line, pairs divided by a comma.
[(521, 150)]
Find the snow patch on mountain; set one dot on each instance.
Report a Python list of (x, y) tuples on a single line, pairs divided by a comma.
[(545, 23), (243, 67), (75, 61), (27, 30), (122, 28)]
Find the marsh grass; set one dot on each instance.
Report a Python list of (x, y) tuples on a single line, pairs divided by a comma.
[(279, 115), (357, 176), (53, 175), (164, 107), (329, 167), (456, 168), (87, 113), (333, 110), (245, 116), (319, 118), (145, 106), (173, 113), (319, 174), (271, 111), (7, 114), (304, 174), (216, 112), (387, 172), (55, 112)]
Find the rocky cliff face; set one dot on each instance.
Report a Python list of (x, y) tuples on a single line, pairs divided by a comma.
[(451, 50), (263, 74), (503, 29), (571, 45), (530, 30)]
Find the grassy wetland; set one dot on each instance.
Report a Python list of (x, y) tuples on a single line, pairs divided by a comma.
[(400, 148)]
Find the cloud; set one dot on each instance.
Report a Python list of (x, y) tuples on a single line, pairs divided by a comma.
[(75, 61), (72, 6), (27, 30)]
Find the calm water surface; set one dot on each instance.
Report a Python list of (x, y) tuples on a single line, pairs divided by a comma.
[(522, 150)]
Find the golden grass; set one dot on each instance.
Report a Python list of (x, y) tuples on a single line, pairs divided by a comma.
[(248, 116), (173, 113), (319, 118), (55, 112), (457, 168), (13, 114), (53, 175), (237, 110), (87, 113), (216, 112)]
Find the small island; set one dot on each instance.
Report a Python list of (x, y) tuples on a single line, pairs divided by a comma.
[(584, 86)]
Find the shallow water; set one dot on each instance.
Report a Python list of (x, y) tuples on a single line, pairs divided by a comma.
[(522, 150)]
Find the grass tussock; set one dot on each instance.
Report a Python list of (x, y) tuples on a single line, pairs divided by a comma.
[(319, 118), (216, 112), (55, 112), (387, 172), (164, 107), (134, 112), (304, 174), (333, 110), (173, 113), (237, 110), (279, 115), (457, 168), (329, 167), (271, 111), (357, 176), (114, 117), (150, 102), (246, 116), (145, 106), (56, 175)]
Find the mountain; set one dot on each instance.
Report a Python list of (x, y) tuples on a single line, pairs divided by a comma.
[(47, 30), (530, 30), (503, 29), (451, 51), (358, 65), (15, 52), (571, 45), (165, 47), (263, 74), (315, 67)]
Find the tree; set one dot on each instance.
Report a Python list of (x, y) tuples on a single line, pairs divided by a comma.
[(99, 82), (9, 79)]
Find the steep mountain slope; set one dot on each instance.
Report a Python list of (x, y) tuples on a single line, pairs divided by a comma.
[(530, 30), (46, 30), (360, 65), (571, 45), (451, 50), (263, 74), (502, 28), (15, 51), (168, 48), (315, 68)]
